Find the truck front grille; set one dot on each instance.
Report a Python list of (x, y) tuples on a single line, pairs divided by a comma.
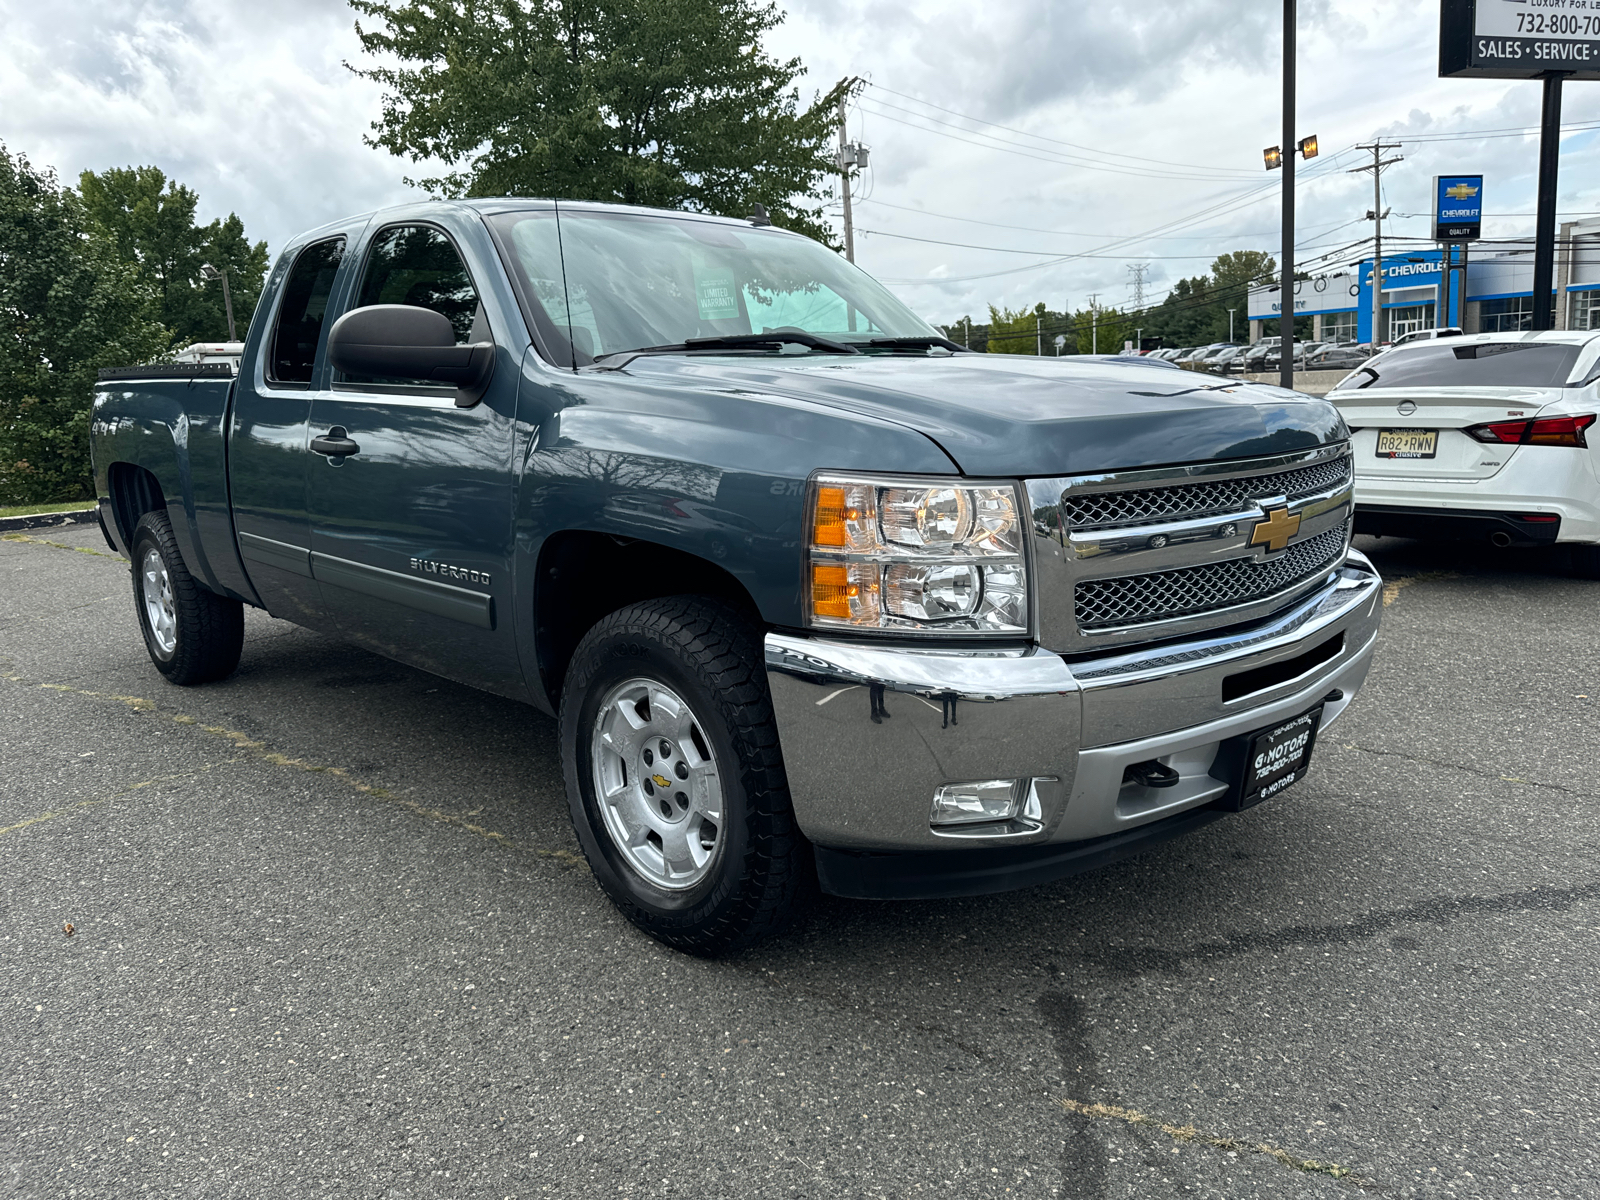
[(1164, 595), (1098, 510)]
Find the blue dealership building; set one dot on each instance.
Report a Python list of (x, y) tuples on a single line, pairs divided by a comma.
[(1416, 296)]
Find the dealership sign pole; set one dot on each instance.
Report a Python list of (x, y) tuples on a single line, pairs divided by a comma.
[(1457, 221), (1552, 41)]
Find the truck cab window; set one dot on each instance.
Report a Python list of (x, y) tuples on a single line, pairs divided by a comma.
[(305, 303), (418, 265)]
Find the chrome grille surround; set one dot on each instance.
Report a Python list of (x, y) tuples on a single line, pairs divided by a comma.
[(1137, 556), (1141, 506)]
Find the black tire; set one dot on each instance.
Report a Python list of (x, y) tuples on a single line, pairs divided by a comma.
[(205, 630), (711, 658), (1585, 562)]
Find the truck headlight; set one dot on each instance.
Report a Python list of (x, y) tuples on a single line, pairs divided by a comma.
[(915, 555)]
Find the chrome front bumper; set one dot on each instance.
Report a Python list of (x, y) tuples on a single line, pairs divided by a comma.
[(952, 716)]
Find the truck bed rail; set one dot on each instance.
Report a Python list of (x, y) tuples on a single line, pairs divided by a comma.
[(168, 371)]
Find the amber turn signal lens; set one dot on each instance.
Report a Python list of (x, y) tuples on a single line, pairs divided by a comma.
[(832, 591), (830, 524)]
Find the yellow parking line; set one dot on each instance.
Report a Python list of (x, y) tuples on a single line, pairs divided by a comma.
[(23, 537), (1188, 1133), (260, 751)]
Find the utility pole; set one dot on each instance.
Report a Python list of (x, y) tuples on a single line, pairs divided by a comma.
[(1038, 334), (1286, 324), (1376, 166), (850, 155), (1094, 322), (207, 271), (1231, 311), (967, 339)]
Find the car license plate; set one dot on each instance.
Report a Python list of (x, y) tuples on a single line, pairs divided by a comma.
[(1278, 756), (1408, 443)]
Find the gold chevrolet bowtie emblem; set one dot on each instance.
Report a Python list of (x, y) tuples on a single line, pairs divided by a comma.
[(1276, 530), (661, 781), (1461, 191)]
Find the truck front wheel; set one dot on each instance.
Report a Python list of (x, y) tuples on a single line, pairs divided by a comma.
[(675, 779), (193, 635)]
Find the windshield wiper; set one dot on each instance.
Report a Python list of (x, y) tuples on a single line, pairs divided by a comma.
[(915, 343), (734, 341)]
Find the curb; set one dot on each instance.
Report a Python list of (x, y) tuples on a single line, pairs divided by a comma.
[(78, 516)]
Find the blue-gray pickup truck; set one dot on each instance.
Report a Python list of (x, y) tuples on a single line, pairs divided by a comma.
[(817, 596)]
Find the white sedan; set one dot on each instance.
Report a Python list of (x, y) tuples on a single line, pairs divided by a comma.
[(1485, 436)]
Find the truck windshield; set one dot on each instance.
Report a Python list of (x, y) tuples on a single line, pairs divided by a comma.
[(1442, 363), (622, 281)]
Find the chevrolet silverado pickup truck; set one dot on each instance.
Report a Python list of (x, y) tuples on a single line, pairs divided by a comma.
[(816, 596)]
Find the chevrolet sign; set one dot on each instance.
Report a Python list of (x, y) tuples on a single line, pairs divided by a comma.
[(1457, 208)]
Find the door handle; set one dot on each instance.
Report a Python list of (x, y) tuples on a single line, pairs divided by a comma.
[(334, 444)]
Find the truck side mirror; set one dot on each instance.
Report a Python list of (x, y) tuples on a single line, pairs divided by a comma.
[(406, 342)]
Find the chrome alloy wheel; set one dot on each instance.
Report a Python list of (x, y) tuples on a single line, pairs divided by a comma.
[(657, 785), (155, 589)]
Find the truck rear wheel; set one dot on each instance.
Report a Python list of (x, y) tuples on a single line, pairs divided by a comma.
[(675, 779), (193, 635)]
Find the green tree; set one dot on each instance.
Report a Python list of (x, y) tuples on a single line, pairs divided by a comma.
[(1015, 332), (150, 220), (1105, 329), (68, 306), (1195, 311), (669, 103)]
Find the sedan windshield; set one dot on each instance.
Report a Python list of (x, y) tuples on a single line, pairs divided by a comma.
[(624, 281), (1439, 363)]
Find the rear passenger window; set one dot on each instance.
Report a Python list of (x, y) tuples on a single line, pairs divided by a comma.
[(305, 303), (418, 265)]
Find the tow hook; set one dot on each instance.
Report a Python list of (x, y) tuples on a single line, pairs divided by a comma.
[(1150, 773)]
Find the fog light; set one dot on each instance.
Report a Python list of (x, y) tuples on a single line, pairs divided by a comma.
[(984, 800)]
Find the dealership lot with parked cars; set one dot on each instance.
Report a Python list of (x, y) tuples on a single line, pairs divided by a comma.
[(331, 933)]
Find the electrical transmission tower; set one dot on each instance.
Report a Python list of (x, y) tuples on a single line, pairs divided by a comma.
[(1136, 285)]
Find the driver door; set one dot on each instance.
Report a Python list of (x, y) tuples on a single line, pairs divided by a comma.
[(411, 529)]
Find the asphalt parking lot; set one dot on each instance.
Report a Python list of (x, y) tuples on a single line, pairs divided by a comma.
[(332, 937)]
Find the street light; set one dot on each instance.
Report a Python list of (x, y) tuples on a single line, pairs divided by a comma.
[(208, 272), (1273, 155)]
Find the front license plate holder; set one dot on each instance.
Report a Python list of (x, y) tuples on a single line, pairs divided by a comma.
[(1257, 766), (1408, 443)]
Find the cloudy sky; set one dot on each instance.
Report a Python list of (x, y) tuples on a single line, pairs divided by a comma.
[(1116, 131)]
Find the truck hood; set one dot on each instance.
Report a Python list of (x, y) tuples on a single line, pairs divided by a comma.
[(1015, 415)]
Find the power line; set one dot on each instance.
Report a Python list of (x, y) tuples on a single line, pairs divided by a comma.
[(1040, 152), (906, 237), (1175, 237), (1229, 204), (1468, 134), (1139, 158)]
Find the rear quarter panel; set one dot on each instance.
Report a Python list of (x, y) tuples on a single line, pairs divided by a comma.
[(173, 429)]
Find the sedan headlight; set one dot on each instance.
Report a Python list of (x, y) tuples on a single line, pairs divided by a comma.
[(904, 554)]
